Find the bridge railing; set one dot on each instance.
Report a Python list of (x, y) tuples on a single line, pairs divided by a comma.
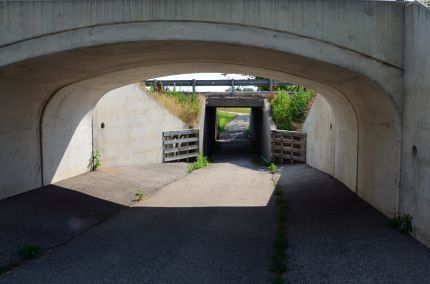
[(211, 83), (288, 146), (180, 145)]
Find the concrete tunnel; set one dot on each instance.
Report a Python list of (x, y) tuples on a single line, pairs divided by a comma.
[(53, 75), (258, 137)]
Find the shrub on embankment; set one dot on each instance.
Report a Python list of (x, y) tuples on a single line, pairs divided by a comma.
[(184, 106), (289, 111)]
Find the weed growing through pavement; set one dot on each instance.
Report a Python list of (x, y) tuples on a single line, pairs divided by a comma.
[(272, 168), (279, 247), (139, 195)]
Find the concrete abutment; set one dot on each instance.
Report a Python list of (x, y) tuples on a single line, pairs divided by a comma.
[(373, 85)]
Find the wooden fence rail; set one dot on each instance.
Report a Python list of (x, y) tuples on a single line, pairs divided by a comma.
[(180, 145), (288, 146)]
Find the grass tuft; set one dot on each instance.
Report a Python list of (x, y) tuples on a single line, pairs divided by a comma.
[(200, 162), (140, 194), (30, 252), (272, 168), (403, 223), (5, 269), (261, 162), (279, 247)]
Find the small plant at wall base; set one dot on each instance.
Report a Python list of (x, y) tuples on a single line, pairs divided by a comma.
[(403, 223), (25, 253), (95, 160), (261, 162), (272, 168), (139, 195), (200, 162), (30, 252)]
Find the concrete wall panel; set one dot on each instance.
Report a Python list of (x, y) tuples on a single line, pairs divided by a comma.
[(134, 123), (415, 178), (328, 57), (320, 126)]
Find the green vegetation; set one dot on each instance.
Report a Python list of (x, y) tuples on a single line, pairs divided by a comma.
[(403, 223), (25, 253), (261, 162), (269, 165), (236, 109), (224, 118), (6, 268), (272, 168), (30, 252), (95, 160), (279, 247), (200, 162), (289, 111), (185, 107), (139, 195)]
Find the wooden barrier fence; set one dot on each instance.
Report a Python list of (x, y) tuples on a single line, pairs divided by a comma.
[(288, 146), (180, 145)]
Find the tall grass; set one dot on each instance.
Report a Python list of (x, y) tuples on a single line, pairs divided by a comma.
[(289, 111), (224, 118), (236, 109), (185, 107)]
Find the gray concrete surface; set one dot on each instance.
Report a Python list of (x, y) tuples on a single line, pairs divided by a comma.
[(133, 124), (278, 42), (336, 237), (415, 191), (365, 57), (53, 215), (191, 231)]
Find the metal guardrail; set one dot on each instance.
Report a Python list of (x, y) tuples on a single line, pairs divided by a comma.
[(207, 83), (180, 145)]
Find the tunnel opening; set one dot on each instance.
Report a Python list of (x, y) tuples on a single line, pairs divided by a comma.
[(54, 122), (234, 136)]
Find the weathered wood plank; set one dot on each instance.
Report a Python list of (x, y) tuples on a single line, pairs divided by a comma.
[(181, 132), (182, 140), (180, 157), (181, 149), (287, 149)]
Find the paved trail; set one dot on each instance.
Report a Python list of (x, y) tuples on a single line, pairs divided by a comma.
[(215, 225), (335, 237)]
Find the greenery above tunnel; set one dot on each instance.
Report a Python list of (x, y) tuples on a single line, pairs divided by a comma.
[(184, 106), (290, 107)]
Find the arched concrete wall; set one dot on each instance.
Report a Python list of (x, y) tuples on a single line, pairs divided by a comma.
[(332, 128), (320, 128), (133, 123), (269, 38)]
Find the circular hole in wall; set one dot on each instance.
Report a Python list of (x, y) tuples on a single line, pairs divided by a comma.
[(414, 151), (102, 125)]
